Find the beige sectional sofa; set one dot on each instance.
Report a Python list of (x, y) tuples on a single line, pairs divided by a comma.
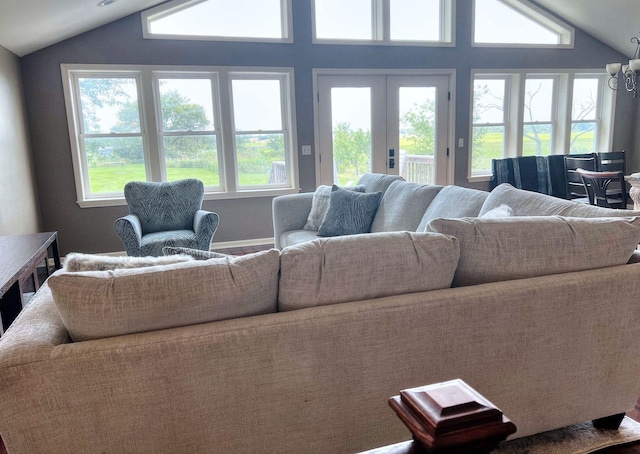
[(541, 319)]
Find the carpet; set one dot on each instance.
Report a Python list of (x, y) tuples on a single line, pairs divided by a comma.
[(577, 439)]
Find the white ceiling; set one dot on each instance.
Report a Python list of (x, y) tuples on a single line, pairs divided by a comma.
[(30, 25)]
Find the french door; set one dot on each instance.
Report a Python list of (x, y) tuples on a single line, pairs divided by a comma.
[(391, 124)]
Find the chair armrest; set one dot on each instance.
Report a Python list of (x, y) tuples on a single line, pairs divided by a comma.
[(205, 224), (129, 230), (290, 212)]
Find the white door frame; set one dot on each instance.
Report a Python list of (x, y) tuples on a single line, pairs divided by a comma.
[(450, 73)]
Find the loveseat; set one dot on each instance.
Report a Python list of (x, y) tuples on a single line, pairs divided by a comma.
[(298, 350)]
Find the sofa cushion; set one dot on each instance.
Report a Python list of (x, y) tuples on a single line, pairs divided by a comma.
[(402, 206), (503, 211), (320, 205), (336, 270), (377, 182), (349, 212), (453, 202), (97, 304), (75, 261), (527, 203), (507, 248)]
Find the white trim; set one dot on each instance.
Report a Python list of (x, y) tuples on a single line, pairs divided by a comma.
[(166, 9)]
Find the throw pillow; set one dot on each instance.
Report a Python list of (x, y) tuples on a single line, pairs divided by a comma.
[(503, 211), (197, 254), (403, 205), (349, 212), (351, 268), (320, 205), (97, 304), (75, 261), (501, 249)]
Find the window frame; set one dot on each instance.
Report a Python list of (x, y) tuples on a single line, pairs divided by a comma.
[(561, 111), (381, 28), (151, 127), (536, 14), (166, 9)]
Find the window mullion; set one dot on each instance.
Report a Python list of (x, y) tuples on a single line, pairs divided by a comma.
[(150, 114), (227, 132)]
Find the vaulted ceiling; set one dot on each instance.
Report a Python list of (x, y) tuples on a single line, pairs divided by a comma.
[(30, 25)]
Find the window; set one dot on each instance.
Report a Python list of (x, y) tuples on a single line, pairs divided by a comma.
[(537, 114), (420, 22), (181, 129), (538, 121), (518, 23), (235, 20)]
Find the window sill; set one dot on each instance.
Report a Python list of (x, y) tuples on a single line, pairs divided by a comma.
[(478, 178), (118, 201)]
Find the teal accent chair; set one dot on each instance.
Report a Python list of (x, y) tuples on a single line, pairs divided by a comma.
[(165, 214)]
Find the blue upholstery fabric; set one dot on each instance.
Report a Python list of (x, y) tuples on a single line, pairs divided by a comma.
[(526, 172), (165, 214)]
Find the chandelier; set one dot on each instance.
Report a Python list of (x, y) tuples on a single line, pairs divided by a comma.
[(630, 72)]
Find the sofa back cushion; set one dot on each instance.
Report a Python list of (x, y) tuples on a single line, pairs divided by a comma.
[(358, 267), (499, 249), (377, 182), (97, 304), (527, 203), (453, 202), (402, 206)]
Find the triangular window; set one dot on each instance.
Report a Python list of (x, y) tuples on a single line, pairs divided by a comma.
[(518, 23), (244, 20)]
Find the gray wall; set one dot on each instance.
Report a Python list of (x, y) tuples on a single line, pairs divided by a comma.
[(91, 229), (18, 206)]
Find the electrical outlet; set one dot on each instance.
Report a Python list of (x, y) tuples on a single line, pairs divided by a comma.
[(306, 150)]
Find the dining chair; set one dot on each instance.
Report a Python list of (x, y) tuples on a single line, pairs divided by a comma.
[(575, 187), (597, 186)]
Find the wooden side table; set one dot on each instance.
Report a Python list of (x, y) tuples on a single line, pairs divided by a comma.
[(21, 257), (447, 418)]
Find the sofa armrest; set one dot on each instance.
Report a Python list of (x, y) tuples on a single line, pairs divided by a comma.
[(205, 224), (34, 333), (290, 212)]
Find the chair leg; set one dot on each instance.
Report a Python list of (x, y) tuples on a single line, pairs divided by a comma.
[(608, 422)]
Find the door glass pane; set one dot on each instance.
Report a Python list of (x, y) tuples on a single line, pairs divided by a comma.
[(344, 19), (109, 105), (186, 104), (417, 133), (114, 161), (415, 20), (351, 126)]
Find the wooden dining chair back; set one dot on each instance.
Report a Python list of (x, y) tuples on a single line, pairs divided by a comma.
[(597, 186), (575, 187)]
